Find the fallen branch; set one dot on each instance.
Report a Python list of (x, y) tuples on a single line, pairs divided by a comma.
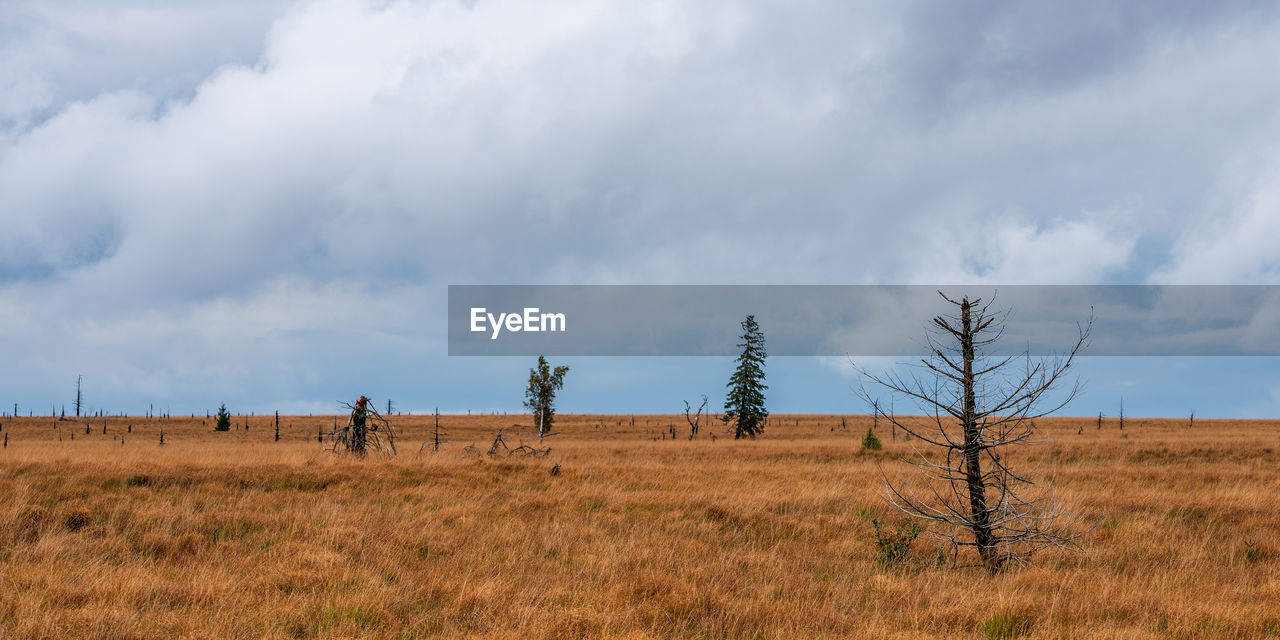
[(500, 445)]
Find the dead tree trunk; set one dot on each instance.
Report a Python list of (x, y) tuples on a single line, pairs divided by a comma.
[(893, 425), (436, 432), (358, 436), (359, 427), (979, 515), (978, 411), (79, 395)]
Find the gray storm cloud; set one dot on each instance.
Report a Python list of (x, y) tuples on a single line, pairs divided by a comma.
[(190, 178)]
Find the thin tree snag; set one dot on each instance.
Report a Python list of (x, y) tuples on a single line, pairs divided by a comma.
[(978, 409), (695, 419)]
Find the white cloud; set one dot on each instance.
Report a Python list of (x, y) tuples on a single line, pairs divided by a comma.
[(54, 53), (1066, 252), (171, 168), (1015, 250), (1236, 243)]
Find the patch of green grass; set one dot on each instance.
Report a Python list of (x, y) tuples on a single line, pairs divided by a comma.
[(1252, 553), (1006, 625), (1189, 514), (1216, 626), (893, 546)]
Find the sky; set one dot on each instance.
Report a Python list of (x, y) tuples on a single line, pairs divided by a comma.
[(262, 203)]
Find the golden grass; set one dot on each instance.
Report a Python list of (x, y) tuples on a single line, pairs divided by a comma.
[(232, 535)]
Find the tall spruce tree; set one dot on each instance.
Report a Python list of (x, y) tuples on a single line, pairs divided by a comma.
[(744, 404)]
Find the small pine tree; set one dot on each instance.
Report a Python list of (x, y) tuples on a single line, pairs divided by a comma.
[(744, 404), (540, 395), (871, 442), (224, 419)]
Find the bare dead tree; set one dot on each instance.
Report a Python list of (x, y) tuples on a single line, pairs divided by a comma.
[(79, 395), (893, 429), (499, 441), (1191, 422), (979, 408), (365, 429), (435, 440), (696, 418)]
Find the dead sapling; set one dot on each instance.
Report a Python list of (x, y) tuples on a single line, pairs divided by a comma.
[(365, 430), (693, 418), (436, 438)]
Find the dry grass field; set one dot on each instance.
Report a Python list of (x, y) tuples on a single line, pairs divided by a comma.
[(232, 535)]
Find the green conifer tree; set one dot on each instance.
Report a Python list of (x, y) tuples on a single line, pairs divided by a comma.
[(744, 404), (224, 419)]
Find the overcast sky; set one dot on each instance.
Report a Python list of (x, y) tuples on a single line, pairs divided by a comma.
[(262, 203)]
